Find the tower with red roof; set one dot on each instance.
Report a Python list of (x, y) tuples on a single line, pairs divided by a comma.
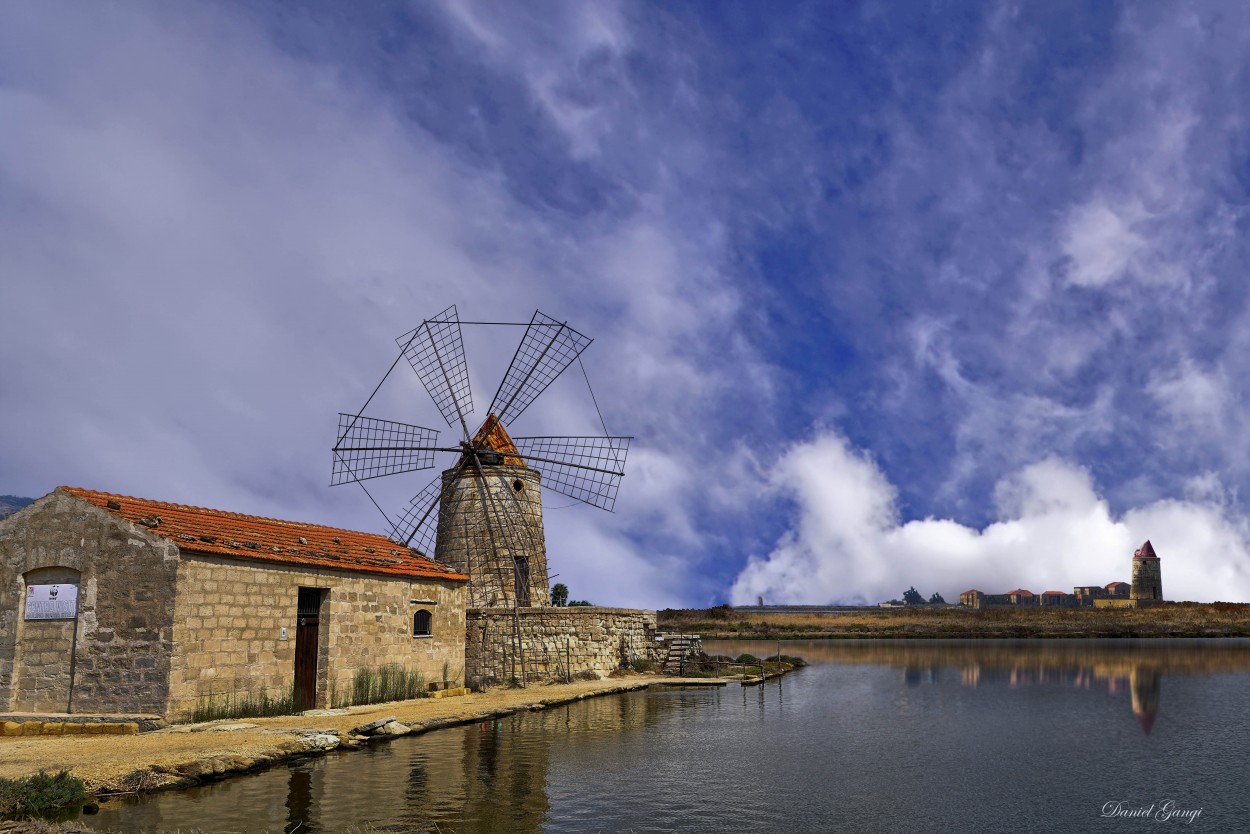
[(1147, 579)]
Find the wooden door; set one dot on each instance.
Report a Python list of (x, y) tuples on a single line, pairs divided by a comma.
[(306, 648)]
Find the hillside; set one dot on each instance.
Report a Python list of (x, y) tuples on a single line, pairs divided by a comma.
[(12, 503)]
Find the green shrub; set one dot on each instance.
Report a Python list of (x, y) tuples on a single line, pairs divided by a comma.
[(748, 658), (40, 795)]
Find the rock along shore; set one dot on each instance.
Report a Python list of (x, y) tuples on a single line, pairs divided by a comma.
[(187, 755)]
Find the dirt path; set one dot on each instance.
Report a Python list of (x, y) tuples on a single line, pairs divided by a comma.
[(189, 754)]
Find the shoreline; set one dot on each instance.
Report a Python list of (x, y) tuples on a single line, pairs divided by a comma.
[(187, 755), (1170, 620)]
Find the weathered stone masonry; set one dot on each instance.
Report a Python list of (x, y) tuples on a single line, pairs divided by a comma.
[(229, 616), (557, 642), (161, 628), (126, 582)]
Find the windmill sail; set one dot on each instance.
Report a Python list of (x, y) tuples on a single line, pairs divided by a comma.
[(370, 448), (417, 526), (435, 350), (586, 468), (546, 349)]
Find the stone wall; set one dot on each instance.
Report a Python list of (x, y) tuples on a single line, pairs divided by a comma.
[(486, 551), (1147, 580), (557, 642), (125, 610), (230, 615)]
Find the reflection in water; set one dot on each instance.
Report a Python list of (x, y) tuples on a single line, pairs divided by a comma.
[(298, 800), (873, 731), (487, 777), (1136, 666)]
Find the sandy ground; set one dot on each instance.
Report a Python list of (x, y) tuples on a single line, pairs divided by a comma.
[(187, 754)]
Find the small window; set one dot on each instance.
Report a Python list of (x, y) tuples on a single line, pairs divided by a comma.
[(421, 623)]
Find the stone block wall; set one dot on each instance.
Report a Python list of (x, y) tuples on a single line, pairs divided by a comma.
[(126, 579), (230, 615), (485, 551), (557, 642)]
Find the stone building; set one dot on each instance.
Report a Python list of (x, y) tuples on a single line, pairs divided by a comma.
[(117, 604), (1056, 599)]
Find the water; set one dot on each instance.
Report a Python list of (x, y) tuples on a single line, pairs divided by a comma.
[(874, 736)]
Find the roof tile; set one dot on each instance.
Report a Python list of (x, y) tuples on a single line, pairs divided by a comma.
[(262, 539)]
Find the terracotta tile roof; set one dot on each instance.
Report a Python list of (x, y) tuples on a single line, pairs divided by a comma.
[(1115, 584), (268, 539), (1054, 593), (1021, 592), (973, 591)]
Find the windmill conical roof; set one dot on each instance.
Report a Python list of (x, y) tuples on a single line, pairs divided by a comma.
[(493, 436), (1146, 551)]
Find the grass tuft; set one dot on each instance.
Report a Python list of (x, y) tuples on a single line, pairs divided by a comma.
[(245, 704)]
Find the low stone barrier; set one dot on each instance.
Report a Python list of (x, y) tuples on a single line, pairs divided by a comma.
[(68, 728), (557, 643)]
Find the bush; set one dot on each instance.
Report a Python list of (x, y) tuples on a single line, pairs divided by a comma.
[(747, 658), (40, 795)]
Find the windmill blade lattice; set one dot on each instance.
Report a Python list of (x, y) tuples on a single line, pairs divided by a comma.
[(435, 350), (548, 347), (370, 448), (586, 468), (417, 525)]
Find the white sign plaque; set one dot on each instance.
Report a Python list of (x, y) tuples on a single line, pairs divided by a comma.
[(51, 602)]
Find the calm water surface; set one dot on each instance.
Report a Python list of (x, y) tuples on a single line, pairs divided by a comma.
[(874, 736)]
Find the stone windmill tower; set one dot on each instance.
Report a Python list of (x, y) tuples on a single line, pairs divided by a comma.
[(1147, 588), (494, 535), (484, 513)]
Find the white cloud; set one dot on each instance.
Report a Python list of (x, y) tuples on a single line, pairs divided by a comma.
[(1055, 531), (1101, 243)]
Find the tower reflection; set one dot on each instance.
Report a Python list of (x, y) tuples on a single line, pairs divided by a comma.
[(1135, 666)]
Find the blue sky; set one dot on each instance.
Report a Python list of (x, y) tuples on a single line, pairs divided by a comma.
[(940, 294)]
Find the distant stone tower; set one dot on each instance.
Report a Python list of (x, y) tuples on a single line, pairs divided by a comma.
[(498, 541), (1147, 579)]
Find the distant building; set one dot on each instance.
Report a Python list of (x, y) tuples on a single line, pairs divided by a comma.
[(1147, 586), (1146, 589), (1056, 599), (1118, 590), (1086, 594), (1022, 597)]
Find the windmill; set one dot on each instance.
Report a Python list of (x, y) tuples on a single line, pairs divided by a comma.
[(483, 513)]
